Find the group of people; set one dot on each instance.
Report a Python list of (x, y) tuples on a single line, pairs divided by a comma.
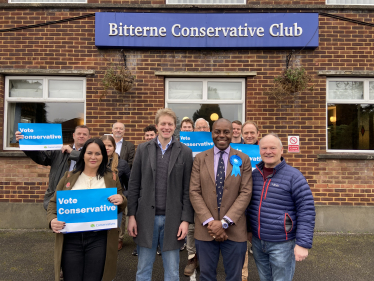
[(216, 200)]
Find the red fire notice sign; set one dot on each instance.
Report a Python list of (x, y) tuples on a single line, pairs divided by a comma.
[(293, 144)]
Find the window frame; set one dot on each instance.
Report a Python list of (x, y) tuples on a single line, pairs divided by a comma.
[(365, 100), (44, 99), (244, 3), (205, 99), (348, 4)]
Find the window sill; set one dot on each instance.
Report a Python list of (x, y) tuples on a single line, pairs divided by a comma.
[(346, 73), (206, 73), (12, 154), (346, 156), (55, 72)]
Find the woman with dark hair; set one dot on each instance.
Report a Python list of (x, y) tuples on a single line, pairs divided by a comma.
[(90, 255), (117, 165)]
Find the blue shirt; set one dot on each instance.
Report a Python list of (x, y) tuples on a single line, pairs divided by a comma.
[(167, 146)]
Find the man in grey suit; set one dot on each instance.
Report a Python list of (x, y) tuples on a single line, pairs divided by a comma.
[(126, 151), (159, 207)]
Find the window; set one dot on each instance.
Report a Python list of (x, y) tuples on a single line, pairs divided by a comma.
[(350, 2), (207, 98), (350, 114), (207, 2), (43, 100), (47, 1)]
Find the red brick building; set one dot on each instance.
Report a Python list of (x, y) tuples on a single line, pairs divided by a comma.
[(51, 71)]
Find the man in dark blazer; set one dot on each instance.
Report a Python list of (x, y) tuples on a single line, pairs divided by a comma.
[(159, 207), (126, 151), (220, 191)]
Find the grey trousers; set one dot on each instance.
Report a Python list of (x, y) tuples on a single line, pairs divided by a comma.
[(191, 248)]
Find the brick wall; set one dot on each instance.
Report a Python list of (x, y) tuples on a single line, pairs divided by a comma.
[(343, 46)]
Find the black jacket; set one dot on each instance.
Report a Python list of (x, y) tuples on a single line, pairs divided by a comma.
[(123, 173)]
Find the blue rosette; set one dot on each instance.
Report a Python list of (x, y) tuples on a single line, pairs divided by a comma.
[(236, 162)]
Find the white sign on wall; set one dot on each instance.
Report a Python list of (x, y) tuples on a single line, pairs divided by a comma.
[(293, 144)]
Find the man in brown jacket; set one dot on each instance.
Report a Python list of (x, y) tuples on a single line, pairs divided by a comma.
[(220, 191)]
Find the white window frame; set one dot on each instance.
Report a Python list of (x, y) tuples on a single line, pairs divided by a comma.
[(336, 2), (200, 2), (44, 99), (365, 100), (47, 1), (205, 99)]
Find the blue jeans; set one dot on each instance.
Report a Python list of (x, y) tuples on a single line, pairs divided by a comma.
[(146, 256), (275, 261)]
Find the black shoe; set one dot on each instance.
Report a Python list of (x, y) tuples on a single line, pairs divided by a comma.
[(158, 251), (135, 252)]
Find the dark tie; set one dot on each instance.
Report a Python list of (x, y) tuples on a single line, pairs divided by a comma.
[(220, 179)]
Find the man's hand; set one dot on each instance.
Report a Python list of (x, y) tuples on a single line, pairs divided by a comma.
[(182, 231), (18, 135), (57, 225), (66, 148), (300, 253), (220, 238), (132, 228), (249, 237), (215, 227)]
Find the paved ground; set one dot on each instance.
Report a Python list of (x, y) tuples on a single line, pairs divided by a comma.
[(28, 255)]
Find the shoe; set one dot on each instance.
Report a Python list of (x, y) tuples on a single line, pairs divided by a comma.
[(120, 245), (251, 250), (191, 266), (135, 252), (183, 247), (158, 250), (61, 275)]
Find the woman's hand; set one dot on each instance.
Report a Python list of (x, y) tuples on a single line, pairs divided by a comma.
[(116, 199), (57, 225)]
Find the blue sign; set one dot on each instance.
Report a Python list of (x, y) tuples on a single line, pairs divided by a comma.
[(86, 210), (201, 141), (252, 150), (197, 141), (40, 136), (177, 30)]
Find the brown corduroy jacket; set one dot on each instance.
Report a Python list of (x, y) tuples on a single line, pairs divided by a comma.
[(236, 196)]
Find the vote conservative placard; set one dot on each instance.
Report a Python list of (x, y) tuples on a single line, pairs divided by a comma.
[(201, 141), (86, 210), (40, 136)]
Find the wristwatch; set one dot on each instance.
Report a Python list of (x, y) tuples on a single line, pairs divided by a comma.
[(225, 225)]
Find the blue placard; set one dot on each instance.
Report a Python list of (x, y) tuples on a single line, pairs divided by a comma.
[(86, 210), (252, 150), (235, 30), (40, 136), (201, 141)]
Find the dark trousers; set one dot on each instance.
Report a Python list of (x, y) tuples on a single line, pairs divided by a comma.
[(233, 254), (83, 256)]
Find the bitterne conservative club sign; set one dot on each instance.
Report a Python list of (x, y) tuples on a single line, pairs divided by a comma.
[(174, 30)]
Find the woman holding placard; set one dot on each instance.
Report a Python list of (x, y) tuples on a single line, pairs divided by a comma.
[(89, 255), (117, 165)]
